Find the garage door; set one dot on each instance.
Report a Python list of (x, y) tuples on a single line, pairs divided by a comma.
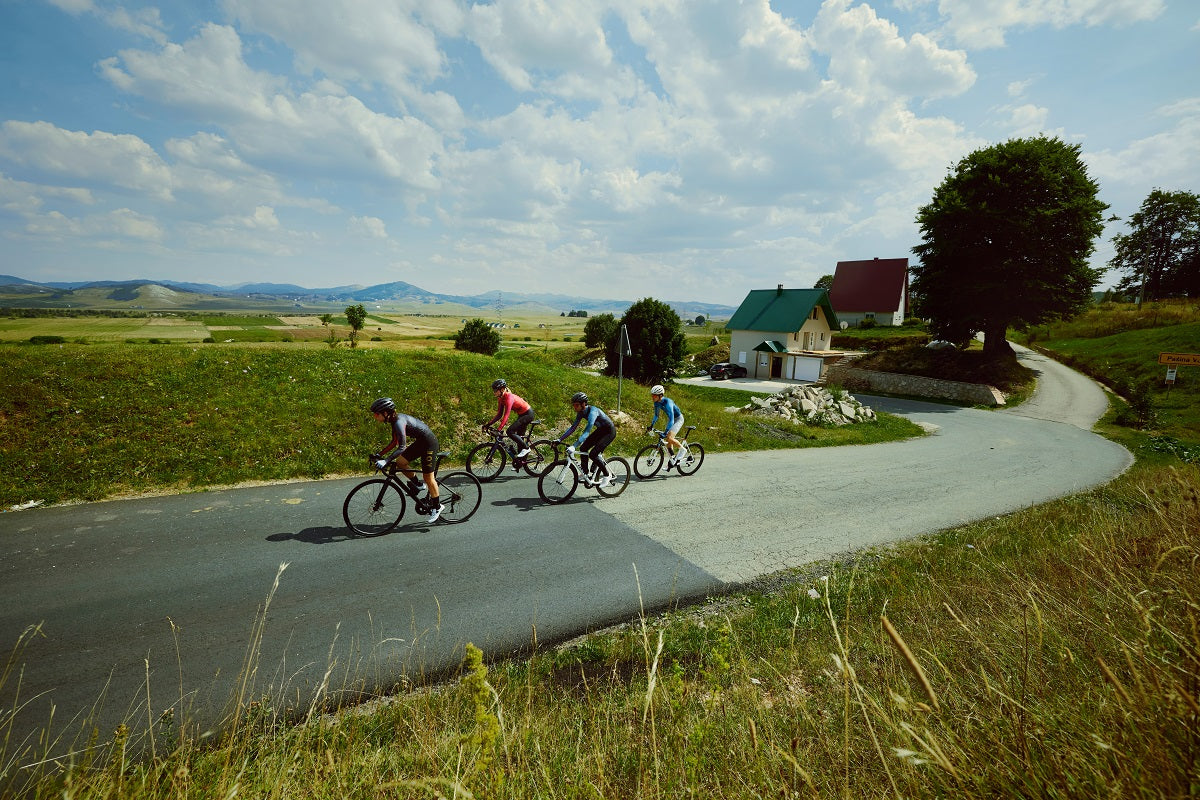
[(806, 369)]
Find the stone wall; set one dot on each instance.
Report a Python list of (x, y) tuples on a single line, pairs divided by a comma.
[(865, 380)]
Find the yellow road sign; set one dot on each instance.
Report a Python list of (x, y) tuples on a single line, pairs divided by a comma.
[(1180, 359)]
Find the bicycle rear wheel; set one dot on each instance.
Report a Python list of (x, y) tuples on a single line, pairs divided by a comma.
[(486, 461), (648, 461), (460, 494), (692, 461), (557, 482), (374, 507), (541, 453), (619, 469)]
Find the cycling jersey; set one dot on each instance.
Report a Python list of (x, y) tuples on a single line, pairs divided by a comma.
[(424, 442), (667, 406), (507, 402), (595, 419)]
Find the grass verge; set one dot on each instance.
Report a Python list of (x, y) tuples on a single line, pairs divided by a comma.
[(93, 421)]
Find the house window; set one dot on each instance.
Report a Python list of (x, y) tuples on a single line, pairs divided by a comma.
[(814, 314)]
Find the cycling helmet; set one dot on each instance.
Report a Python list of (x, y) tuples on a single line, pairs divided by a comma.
[(657, 389), (499, 383), (579, 397), (383, 405)]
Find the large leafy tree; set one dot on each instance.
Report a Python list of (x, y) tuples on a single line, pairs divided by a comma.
[(1005, 242), (1161, 253), (656, 342), (599, 330), (477, 337)]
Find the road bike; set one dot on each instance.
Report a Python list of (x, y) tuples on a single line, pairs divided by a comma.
[(376, 506), (558, 482), (487, 461), (650, 459)]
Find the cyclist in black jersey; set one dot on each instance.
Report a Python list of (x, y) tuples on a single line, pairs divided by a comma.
[(412, 440)]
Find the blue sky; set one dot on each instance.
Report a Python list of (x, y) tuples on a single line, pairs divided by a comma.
[(679, 149)]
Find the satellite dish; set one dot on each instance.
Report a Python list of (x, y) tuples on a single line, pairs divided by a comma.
[(845, 324)]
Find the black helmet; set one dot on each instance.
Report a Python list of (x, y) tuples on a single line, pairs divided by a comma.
[(579, 397), (499, 383), (383, 405)]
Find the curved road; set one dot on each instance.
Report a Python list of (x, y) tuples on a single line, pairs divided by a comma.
[(152, 603)]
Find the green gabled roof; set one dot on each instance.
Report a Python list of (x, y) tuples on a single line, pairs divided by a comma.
[(771, 347), (780, 310)]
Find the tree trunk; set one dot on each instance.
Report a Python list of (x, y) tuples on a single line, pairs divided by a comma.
[(995, 343)]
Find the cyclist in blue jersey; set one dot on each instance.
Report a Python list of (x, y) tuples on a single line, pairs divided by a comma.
[(597, 435), (412, 440), (674, 423)]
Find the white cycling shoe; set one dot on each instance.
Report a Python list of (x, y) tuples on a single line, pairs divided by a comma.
[(433, 515)]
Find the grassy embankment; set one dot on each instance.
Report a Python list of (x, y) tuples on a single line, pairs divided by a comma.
[(93, 421), (1048, 653)]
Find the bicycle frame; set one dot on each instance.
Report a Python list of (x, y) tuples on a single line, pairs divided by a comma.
[(560, 480), (486, 461), (650, 459), (376, 506)]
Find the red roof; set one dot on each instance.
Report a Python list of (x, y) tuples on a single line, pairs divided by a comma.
[(877, 284)]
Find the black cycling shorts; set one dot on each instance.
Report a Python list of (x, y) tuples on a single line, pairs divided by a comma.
[(422, 449)]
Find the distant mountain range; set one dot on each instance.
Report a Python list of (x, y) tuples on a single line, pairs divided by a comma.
[(20, 292)]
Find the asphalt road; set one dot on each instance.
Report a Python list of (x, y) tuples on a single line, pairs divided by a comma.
[(153, 603)]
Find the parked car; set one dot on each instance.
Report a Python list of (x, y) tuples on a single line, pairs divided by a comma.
[(726, 369)]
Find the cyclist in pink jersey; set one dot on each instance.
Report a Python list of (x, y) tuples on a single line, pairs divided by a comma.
[(507, 403)]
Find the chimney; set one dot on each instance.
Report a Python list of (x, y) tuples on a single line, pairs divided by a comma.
[(779, 290)]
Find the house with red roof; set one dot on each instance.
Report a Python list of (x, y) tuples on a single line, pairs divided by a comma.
[(875, 289), (783, 333)]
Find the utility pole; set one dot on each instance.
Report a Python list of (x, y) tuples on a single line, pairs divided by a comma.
[(623, 349)]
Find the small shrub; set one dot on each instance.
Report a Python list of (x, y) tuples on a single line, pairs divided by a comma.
[(866, 323), (42, 339), (1139, 409)]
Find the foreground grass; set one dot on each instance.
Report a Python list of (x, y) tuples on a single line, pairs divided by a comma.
[(93, 421), (1049, 653)]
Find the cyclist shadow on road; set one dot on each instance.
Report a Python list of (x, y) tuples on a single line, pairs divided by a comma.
[(326, 534), (521, 503)]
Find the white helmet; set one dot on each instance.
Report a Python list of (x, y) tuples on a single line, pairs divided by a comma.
[(657, 389)]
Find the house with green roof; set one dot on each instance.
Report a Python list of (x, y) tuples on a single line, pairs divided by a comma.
[(783, 333)]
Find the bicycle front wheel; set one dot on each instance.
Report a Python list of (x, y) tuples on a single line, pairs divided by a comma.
[(619, 469), (557, 482), (692, 461), (541, 453), (374, 507), (649, 461), (486, 461), (460, 494)]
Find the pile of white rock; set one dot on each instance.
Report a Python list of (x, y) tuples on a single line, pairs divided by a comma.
[(810, 405)]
